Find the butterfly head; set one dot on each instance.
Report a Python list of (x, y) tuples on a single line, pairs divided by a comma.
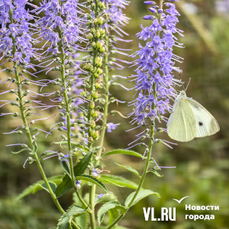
[(182, 93)]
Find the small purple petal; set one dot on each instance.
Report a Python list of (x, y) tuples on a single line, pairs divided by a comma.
[(149, 2), (148, 17), (101, 195)]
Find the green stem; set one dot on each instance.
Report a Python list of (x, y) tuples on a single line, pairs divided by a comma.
[(63, 78), (106, 82), (102, 136), (141, 181), (92, 189), (28, 132)]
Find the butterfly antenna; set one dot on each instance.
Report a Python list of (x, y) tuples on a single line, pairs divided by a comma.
[(187, 84)]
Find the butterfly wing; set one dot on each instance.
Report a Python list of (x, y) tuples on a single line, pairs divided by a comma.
[(206, 123), (181, 125)]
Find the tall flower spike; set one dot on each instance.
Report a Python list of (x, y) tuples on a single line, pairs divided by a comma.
[(17, 48), (61, 29), (156, 64), (105, 16)]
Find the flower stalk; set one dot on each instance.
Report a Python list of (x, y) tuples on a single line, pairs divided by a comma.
[(26, 126)]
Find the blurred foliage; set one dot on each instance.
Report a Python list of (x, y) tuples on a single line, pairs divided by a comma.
[(202, 165)]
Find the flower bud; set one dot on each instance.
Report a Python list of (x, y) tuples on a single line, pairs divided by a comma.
[(94, 113), (93, 124), (93, 45), (95, 21), (92, 105), (100, 21), (90, 36), (99, 71), (97, 85), (95, 95), (101, 5), (92, 31), (97, 34), (16, 114)]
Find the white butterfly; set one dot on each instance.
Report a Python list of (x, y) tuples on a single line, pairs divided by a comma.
[(190, 120)]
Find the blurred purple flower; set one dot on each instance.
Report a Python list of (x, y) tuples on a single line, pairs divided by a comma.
[(101, 195), (111, 126), (78, 184), (17, 31), (222, 6)]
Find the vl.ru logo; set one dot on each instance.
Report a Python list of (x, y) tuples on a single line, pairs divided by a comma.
[(167, 214)]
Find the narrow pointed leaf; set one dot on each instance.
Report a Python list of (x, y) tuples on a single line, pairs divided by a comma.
[(82, 165), (64, 164), (92, 180), (52, 185), (32, 189), (118, 181), (142, 194), (134, 171), (156, 173), (64, 186), (79, 169), (20, 151), (123, 151)]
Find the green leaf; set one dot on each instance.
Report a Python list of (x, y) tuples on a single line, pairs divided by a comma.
[(52, 185), (20, 151), (35, 148), (104, 209), (32, 189), (156, 173), (82, 165), (64, 186), (64, 164), (79, 169), (118, 181), (82, 220), (113, 215), (122, 151), (142, 194), (92, 180), (108, 197), (65, 220), (129, 169)]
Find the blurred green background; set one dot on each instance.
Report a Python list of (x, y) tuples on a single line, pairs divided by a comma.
[(202, 165)]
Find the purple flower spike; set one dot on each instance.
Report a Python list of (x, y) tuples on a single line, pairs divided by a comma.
[(16, 30), (155, 73)]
